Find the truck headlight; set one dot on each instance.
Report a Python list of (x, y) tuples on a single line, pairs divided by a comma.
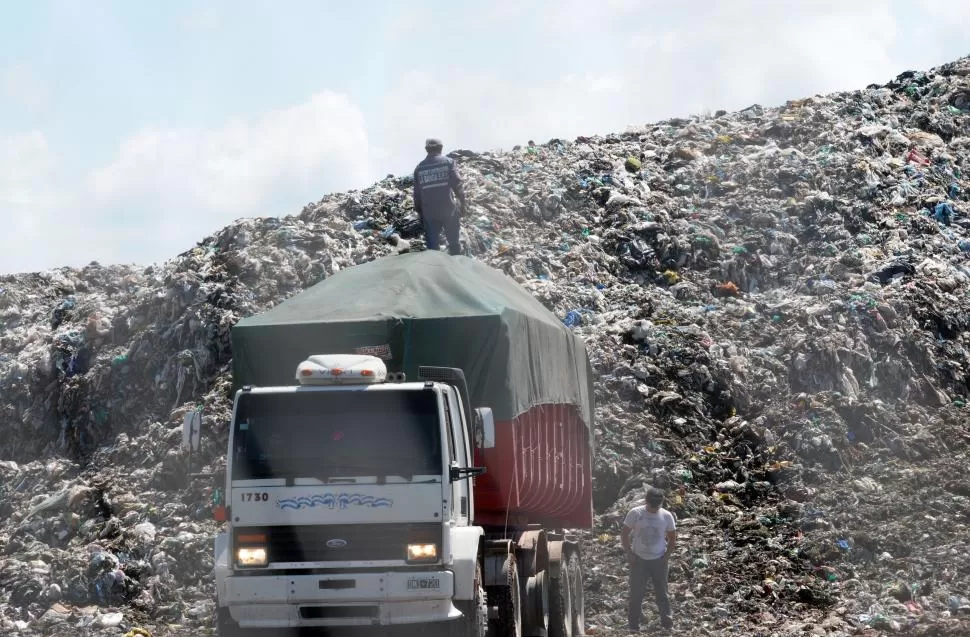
[(251, 556), (422, 552)]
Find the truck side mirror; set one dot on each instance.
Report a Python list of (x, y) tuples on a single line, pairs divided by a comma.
[(192, 430), (484, 428)]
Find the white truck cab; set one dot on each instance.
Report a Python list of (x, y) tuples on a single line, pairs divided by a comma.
[(349, 501)]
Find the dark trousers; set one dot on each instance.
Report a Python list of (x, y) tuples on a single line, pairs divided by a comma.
[(644, 571), (433, 228)]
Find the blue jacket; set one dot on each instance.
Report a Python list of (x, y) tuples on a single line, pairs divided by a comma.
[(434, 180)]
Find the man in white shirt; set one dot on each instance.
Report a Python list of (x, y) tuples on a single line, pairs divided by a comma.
[(649, 537)]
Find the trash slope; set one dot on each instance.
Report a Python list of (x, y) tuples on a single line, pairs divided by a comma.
[(775, 301)]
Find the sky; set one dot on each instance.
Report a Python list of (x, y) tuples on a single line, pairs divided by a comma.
[(129, 131)]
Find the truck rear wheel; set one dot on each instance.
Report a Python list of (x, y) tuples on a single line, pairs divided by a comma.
[(574, 568), (508, 599), (561, 602)]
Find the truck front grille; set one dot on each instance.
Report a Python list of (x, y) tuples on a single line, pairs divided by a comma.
[(342, 542)]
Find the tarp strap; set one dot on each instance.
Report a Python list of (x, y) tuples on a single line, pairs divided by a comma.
[(407, 344)]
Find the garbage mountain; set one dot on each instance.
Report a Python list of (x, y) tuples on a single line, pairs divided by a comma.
[(776, 305)]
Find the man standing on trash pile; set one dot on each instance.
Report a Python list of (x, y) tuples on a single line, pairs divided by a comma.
[(649, 538), (434, 180)]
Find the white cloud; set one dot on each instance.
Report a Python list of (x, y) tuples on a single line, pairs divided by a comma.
[(489, 110), (178, 185), (944, 27), (502, 11), (199, 17), (21, 84), (25, 161), (672, 60), (582, 19), (32, 235), (402, 24), (733, 54), (167, 189)]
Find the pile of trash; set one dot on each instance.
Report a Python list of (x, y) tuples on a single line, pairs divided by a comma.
[(776, 303)]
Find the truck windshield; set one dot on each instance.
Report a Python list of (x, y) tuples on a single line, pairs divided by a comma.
[(325, 434)]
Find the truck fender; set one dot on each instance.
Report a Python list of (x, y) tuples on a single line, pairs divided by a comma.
[(465, 544), (221, 566)]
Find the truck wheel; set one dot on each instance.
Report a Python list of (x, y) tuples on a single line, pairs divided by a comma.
[(475, 611), (537, 603), (508, 599), (561, 602), (574, 568)]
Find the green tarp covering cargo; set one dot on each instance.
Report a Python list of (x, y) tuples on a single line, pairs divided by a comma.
[(429, 308)]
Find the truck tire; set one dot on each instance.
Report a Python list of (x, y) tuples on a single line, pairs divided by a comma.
[(574, 568), (474, 623), (561, 602), (537, 603), (508, 599)]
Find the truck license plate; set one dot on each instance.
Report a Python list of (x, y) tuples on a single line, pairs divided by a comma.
[(424, 583)]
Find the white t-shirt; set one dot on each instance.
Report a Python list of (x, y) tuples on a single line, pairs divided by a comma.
[(649, 531)]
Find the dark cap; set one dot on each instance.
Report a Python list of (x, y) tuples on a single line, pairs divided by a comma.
[(655, 496), (432, 142)]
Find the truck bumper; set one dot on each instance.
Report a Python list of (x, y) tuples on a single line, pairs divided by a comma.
[(357, 599)]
